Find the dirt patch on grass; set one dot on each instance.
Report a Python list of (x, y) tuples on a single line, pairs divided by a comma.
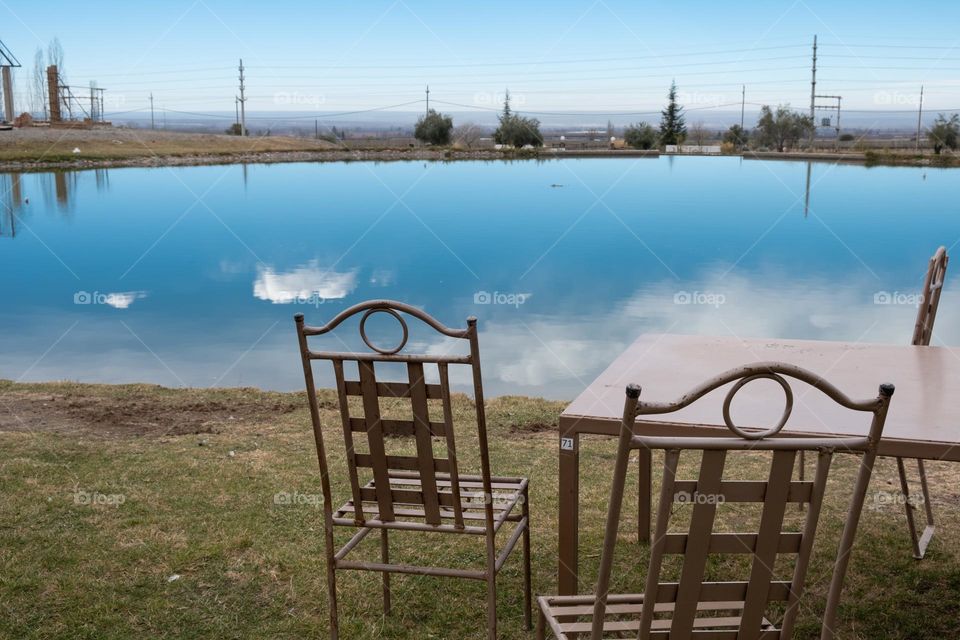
[(532, 428), (136, 413)]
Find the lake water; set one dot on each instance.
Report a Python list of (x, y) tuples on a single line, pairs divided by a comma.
[(190, 276)]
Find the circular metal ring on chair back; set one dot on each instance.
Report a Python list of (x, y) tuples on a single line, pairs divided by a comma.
[(366, 340), (758, 435)]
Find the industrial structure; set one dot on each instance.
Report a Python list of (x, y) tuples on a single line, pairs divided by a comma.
[(7, 62), (67, 108)]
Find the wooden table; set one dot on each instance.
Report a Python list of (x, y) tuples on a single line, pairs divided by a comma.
[(923, 422)]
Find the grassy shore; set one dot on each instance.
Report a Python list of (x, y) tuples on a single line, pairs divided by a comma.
[(46, 149), (109, 492), (52, 145)]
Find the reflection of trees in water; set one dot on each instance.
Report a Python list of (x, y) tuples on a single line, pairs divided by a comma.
[(11, 190), (102, 179), (61, 187), (65, 184), (51, 190)]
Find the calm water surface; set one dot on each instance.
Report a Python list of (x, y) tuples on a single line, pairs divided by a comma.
[(191, 276)]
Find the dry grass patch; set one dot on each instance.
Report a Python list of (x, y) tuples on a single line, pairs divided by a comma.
[(250, 567)]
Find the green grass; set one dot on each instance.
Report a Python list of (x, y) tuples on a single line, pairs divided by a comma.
[(131, 144), (250, 568)]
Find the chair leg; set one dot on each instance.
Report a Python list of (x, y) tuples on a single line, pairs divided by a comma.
[(644, 488), (332, 601), (928, 507), (385, 558), (491, 601), (527, 595), (908, 509), (541, 625)]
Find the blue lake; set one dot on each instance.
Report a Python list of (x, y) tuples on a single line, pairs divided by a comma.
[(190, 276)]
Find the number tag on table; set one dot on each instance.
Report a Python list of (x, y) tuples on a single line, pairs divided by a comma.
[(566, 444)]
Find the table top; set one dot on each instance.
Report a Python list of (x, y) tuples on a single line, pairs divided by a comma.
[(923, 420)]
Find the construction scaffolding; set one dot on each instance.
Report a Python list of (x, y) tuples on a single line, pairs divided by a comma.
[(67, 108)]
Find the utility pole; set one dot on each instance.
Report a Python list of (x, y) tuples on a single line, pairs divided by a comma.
[(236, 108), (243, 99), (152, 125), (813, 92), (839, 99), (428, 99), (919, 118), (316, 129), (743, 103)]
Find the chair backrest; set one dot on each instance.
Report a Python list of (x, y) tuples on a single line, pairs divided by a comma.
[(930, 297), (433, 480), (690, 602)]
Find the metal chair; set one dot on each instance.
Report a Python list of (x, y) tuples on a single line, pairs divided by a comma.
[(922, 333), (423, 492), (737, 610)]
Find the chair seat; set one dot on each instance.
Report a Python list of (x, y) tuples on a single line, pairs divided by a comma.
[(572, 616), (408, 505)]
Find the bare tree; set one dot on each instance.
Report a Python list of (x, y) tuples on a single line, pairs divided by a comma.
[(698, 133), (55, 54), (467, 135), (38, 92)]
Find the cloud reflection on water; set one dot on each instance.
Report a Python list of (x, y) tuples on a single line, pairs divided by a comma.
[(302, 283)]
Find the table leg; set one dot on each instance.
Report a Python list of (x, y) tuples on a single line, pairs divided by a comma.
[(644, 489), (569, 516)]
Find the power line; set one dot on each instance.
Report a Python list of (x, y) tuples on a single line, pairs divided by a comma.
[(573, 113), (529, 62), (310, 117)]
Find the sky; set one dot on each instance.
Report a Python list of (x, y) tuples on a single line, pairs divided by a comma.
[(557, 56)]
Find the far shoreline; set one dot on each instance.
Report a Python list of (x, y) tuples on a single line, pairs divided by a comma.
[(868, 159)]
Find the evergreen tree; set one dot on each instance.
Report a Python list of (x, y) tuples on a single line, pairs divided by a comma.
[(640, 136), (673, 129), (515, 130)]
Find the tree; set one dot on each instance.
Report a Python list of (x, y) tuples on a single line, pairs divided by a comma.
[(517, 131), (737, 136), (39, 85), (673, 129), (433, 128), (944, 133), (782, 128), (640, 136), (233, 130), (55, 57), (698, 133), (466, 135)]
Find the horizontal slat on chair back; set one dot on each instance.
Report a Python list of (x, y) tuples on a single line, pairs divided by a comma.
[(732, 543), (398, 427), (748, 490), (723, 591), (393, 390)]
